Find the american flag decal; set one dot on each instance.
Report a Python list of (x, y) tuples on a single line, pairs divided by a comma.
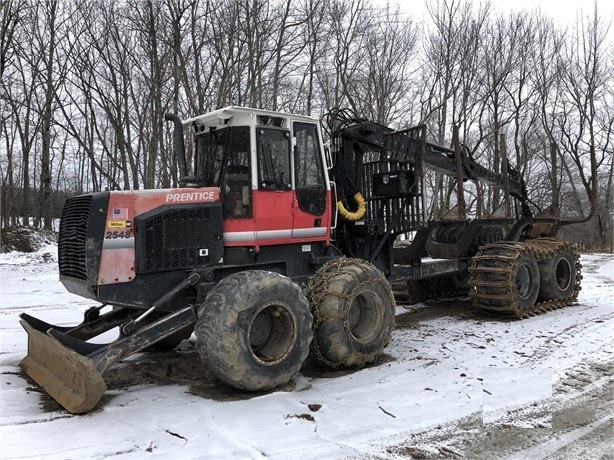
[(120, 213)]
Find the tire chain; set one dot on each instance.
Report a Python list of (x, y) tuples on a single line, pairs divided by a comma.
[(481, 272), (317, 289)]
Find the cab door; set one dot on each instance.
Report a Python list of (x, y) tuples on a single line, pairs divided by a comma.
[(274, 196), (310, 216)]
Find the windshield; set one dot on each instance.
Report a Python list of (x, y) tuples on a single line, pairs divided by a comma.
[(219, 147)]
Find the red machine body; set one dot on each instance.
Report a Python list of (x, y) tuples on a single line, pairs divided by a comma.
[(277, 220)]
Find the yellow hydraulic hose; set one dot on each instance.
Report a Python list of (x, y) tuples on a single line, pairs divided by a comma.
[(356, 215)]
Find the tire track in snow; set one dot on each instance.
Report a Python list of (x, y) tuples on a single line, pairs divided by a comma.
[(556, 341)]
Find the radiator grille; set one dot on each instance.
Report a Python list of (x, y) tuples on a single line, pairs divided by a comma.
[(73, 236), (171, 239)]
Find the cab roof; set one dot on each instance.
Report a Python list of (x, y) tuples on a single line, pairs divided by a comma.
[(242, 116)]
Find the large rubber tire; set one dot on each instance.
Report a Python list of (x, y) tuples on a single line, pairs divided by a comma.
[(353, 308), (558, 276), (525, 281), (485, 234), (254, 329)]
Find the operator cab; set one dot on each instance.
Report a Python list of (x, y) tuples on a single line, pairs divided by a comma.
[(271, 173)]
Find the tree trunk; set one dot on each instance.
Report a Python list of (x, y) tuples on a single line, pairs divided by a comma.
[(45, 209)]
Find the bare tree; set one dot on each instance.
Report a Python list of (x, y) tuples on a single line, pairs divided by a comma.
[(314, 38), (98, 110), (85, 85), (52, 25), (22, 98), (388, 64), (9, 19), (450, 73), (348, 22), (500, 57), (585, 78)]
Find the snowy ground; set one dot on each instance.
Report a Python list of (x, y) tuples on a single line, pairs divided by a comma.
[(453, 383)]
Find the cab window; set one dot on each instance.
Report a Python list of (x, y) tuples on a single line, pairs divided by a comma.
[(210, 150), (309, 170), (273, 159), (236, 180)]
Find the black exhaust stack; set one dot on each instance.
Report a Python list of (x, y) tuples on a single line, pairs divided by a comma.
[(179, 145)]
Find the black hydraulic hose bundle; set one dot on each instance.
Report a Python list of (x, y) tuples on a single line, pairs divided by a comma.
[(334, 122)]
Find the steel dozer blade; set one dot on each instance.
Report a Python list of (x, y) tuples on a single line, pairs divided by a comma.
[(71, 370), (69, 377)]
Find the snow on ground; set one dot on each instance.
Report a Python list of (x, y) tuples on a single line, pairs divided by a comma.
[(452, 380)]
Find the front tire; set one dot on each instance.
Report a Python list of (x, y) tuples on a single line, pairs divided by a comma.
[(254, 329), (353, 308)]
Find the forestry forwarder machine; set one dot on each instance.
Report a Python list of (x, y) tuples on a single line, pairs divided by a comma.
[(275, 246)]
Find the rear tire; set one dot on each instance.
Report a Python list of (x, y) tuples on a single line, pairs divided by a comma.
[(353, 308), (525, 281), (558, 276), (254, 329), (485, 234)]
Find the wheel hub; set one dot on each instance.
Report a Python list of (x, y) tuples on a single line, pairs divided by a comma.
[(364, 320), (271, 333), (563, 274), (523, 282)]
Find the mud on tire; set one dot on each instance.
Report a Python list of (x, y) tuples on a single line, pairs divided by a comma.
[(525, 281), (254, 329), (558, 276), (504, 278), (353, 309)]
